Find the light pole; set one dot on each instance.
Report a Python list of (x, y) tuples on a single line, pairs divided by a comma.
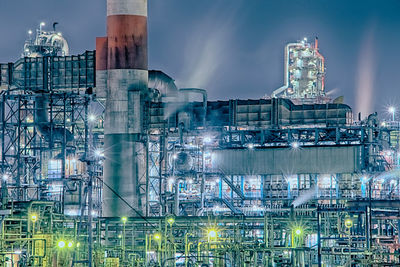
[(187, 249), (34, 219), (41, 25), (157, 238), (348, 223), (124, 220)]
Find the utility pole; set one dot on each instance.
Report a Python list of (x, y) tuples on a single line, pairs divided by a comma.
[(91, 163), (90, 208), (319, 237)]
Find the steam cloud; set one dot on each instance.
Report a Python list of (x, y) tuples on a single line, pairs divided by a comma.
[(366, 76), (208, 48), (305, 196)]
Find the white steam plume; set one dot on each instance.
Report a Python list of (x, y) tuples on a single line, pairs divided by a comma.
[(305, 196), (366, 76), (208, 48)]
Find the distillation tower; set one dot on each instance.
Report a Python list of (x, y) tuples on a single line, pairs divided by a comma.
[(304, 72)]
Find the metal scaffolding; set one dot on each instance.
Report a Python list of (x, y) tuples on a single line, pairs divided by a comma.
[(226, 183)]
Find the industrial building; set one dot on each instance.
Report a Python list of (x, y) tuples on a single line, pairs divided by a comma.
[(107, 163)]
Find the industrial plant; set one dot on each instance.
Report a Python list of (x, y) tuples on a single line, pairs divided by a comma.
[(105, 162)]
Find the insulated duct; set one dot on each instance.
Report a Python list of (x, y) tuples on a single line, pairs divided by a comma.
[(165, 85), (184, 94), (46, 44), (43, 125)]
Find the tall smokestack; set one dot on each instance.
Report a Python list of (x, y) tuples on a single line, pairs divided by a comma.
[(122, 78)]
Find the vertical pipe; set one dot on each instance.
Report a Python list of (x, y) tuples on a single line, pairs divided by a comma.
[(146, 212), (398, 231), (90, 208), (177, 197), (18, 178), (202, 184), (319, 238), (4, 191), (64, 141), (160, 166)]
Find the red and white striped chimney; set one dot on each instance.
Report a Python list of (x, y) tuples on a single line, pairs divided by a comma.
[(122, 79)]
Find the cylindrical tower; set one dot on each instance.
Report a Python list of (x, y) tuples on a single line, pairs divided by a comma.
[(122, 79)]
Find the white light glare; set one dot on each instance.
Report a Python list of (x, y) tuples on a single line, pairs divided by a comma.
[(295, 145), (364, 179), (72, 212), (392, 110), (251, 146), (30, 32), (5, 177), (207, 140), (98, 153), (42, 24), (92, 117)]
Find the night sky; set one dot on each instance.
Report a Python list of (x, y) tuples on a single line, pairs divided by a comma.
[(234, 48)]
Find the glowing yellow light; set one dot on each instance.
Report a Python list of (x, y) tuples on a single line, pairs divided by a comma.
[(171, 220), (212, 233), (348, 223), (70, 244), (124, 219), (61, 244), (78, 245), (34, 217), (157, 237), (298, 231)]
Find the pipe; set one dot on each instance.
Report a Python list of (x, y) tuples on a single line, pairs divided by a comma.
[(286, 74), (372, 122), (322, 62), (178, 182), (163, 83), (205, 99), (203, 92), (43, 126), (59, 41)]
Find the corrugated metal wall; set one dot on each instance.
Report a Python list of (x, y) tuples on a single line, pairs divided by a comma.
[(335, 159)]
